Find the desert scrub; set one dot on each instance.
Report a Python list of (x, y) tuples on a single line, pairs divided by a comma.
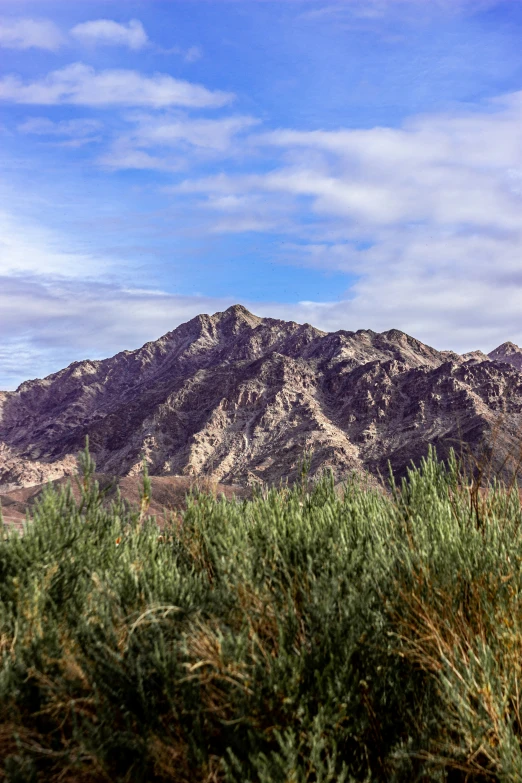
[(304, 636)]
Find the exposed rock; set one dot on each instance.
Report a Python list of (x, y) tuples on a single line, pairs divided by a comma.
[(508, 353), (239, 399), (475, 356)]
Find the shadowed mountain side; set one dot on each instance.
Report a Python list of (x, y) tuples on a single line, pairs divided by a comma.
[(239, 399)]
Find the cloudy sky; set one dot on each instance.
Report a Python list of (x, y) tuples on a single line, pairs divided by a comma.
[(350, 163)]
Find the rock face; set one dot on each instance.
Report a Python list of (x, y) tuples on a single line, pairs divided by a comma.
[(509, 353), (239, 398)]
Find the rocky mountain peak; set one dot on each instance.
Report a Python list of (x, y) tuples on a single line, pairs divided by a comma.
[(507, 348), (236, 318), (395, 335), (239, 312), (238, 398), (475, 356), (509, 353)]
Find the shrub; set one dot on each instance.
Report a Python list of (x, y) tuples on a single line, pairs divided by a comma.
[(303, 636)]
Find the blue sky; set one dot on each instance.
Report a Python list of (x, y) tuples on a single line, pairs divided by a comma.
[(351, 164)]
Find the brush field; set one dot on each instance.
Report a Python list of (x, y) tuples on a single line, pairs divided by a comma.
[(302, 636)]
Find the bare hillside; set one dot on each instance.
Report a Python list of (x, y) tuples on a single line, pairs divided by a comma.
[(238, 399)]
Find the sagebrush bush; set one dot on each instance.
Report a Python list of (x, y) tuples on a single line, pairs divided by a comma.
[(301, 636)]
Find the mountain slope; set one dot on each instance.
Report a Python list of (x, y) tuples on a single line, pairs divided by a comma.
[(508, 353), (239, 398)]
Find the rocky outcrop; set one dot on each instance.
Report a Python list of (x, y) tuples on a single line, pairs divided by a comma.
[(239, 399), (509, 353)]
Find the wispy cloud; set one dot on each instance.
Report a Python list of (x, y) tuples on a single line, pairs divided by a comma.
[(211, 134), (29, 248), (73, 133), (445, 170), (412, 10), (124, 155), (427, 217), (30, 34), (449, 170), (171, 142), (81, 84), (49, 324), (192, 54), (106, 32), (423, 215)]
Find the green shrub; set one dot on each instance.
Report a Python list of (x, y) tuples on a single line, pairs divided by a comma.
[(300, 637)]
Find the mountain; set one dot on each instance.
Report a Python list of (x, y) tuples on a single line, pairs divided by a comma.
[(238, 398), (508, 353)]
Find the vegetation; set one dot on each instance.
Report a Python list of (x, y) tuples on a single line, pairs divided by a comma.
[(303, 636)]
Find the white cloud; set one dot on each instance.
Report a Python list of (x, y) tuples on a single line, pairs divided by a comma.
[(59, 303), (415, 11), (125, 155), (459, 291), (193, 54), (448, 170), (176, 141), (443, 171), (76, 132), (445, 292), (190, 55), (106, 32), (52, 323), (43, 126), (29, 248), (30, 34), (80, 84), (426, 217), (211, 134)]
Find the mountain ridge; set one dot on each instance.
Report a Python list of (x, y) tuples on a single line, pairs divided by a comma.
[(239, 398)]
